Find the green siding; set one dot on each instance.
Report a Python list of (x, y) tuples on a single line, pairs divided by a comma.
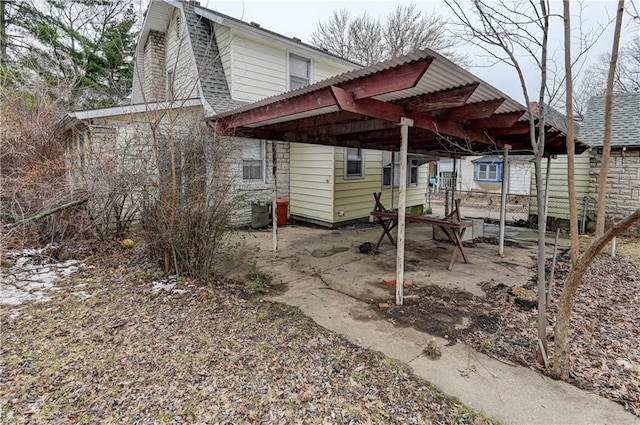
[(311, 182), (558, 187), (354, 197)]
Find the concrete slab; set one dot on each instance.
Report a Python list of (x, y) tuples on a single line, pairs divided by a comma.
[(333, 283)]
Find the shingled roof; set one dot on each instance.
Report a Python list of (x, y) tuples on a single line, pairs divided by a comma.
[(215, 88), (626, 121)]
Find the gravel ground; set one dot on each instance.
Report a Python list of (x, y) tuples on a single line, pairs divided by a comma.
[(115, 344)]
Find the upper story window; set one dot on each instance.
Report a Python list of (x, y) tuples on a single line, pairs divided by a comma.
[(253, 159), (299, 71), (353, 163), (488, 171), (412, 175)]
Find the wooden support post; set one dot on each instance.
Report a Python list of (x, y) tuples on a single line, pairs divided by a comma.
[(503, 198), (402, 208), (274, 207)]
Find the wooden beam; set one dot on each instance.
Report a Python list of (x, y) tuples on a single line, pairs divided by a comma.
[(496, 121), (387, 81), (315, 121), (444, 99), (517, 128), (304, 103), (449, 128), (369, 107), (472, 111), (362, 126)]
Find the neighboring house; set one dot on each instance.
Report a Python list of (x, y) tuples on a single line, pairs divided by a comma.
[(190, 58), (623, 179), (484, 174)]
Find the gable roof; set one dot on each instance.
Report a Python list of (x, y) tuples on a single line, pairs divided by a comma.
[(626, 121), (212, 85)]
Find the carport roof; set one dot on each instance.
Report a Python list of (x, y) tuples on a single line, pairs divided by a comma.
[(453, 111)]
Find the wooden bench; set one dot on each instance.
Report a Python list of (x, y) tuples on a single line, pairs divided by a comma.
[(451, 225)]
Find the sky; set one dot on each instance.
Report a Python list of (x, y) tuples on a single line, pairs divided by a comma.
[(299, 19)]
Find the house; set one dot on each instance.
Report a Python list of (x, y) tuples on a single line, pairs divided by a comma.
[(200, 62), (623, 181), (484, 174), (623, 178)]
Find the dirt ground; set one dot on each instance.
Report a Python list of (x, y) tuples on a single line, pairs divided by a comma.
[(489, 304)]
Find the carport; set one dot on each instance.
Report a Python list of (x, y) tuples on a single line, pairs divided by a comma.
[(420, 103)]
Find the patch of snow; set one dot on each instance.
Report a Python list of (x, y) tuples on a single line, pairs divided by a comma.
[(168, 285), (27, 280), (82, 295)]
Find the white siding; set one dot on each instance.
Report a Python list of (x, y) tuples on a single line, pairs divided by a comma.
[(519, 177), (311, 182), (179, 59), (258, 69), (223, 38), (323, 69)]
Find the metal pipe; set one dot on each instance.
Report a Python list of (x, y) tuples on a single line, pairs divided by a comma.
[(503, 198)]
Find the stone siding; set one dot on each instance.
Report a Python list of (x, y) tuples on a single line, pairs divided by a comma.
[(623, 182), (154, 64)]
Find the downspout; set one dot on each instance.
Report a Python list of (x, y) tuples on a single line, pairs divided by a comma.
[(503, 198)]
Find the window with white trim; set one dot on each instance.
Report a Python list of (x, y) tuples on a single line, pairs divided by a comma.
[(253, 160), (353, 163), (488, 172), (299, 71), (412, 175)]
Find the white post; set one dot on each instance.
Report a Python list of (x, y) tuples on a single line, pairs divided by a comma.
[(503, 198), (402, 207), (274, 207), (393, 173)]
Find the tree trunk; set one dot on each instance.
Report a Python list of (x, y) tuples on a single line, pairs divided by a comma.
[(573, 201), (608, 106), (541, 352), (561, 360)]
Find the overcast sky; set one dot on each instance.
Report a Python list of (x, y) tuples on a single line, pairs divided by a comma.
[(299, 19)]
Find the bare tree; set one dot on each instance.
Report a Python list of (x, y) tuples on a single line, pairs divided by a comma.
[(608, 122), (568, 66), (580, 264), (365, 40), (626, 77), (507, 32)]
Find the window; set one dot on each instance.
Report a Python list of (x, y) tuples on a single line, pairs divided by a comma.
[(170, 85), (412, 175), (488, 171), (299, 71), (253, 160), (353, 163)]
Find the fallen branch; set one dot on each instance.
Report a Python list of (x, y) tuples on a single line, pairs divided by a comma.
[(45, 214)]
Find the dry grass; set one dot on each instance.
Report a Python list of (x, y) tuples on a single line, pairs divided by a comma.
[(127, 354)]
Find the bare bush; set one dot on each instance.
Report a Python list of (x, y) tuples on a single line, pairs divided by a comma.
[(191, 199)]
